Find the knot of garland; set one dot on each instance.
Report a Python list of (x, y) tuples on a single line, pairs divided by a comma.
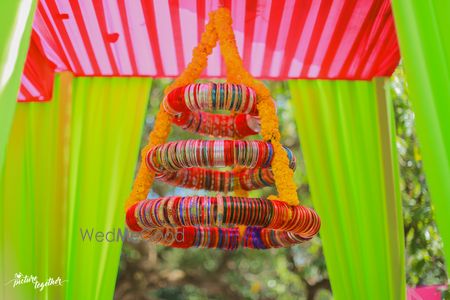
[(222, 166)]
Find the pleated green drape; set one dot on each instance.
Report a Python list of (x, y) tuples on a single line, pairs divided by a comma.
[(423, 29), (69, 166), (33, 198), (15, 28), (346, 133), (107, 121)]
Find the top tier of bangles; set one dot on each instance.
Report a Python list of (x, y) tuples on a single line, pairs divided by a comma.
[(191, 107), (212, 222)]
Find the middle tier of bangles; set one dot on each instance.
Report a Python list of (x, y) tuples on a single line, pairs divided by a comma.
[(177, 155)]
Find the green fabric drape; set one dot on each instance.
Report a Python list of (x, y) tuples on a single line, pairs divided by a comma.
[(423, 29), (346, 132), (69, 165), (107, 120), (15, 29), (33, 197)]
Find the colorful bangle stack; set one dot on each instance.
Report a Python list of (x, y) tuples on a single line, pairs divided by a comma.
[(173, 156), (209, 220)]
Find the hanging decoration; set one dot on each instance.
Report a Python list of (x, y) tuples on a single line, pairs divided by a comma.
[(223, 166)]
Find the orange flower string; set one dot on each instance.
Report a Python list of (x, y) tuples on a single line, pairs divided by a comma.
[(284, 176), (144, 178)]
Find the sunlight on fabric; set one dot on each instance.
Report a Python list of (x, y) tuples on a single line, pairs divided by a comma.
[(17, 32)]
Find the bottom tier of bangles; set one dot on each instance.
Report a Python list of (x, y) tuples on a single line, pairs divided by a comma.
[(232, 238), (212, 222)]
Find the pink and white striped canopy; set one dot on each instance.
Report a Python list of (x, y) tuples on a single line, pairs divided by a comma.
[(277, 39)]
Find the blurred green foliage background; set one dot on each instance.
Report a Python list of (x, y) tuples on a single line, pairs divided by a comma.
[(154, 272)]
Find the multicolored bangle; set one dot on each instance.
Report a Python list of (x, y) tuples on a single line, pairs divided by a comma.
[(211, 221)]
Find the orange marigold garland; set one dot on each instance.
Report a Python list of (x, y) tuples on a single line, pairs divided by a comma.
[(222, 221), (161, 131), (269, 121)]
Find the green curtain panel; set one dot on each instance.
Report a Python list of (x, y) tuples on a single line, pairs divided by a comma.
[(33, 196), (107, 120), (346, 133), (69, 166), (15, 29), (423, 29)]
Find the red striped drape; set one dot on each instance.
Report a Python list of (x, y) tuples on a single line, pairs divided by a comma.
[(278, 39)]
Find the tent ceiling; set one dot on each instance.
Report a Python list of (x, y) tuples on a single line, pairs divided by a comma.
[(277, 39)]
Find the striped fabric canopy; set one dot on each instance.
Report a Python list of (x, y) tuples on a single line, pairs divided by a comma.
[(278, 39)]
